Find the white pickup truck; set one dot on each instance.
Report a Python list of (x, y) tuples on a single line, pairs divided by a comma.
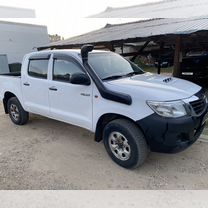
[(130, 110)]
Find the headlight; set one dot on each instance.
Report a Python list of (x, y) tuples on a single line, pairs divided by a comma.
[(173, 109)]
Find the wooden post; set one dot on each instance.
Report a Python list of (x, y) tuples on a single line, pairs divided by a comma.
[(160, 58), (177, 57), (159, 66), (122, 49)]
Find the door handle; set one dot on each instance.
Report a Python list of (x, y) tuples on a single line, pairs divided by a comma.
[(26, 84), (53, 88)]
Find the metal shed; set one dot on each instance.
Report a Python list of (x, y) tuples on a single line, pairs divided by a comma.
[(179, 34)]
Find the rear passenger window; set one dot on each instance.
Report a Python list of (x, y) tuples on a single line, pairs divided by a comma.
[(63, 70), (38, 68)]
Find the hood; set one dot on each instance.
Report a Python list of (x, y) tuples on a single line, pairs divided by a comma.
[(155, 87)]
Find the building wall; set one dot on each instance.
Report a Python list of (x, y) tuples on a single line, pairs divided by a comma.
[(17, 39)]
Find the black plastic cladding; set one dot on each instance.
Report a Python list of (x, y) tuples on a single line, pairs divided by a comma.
[(105, 93), (171, 135), (40, 56)]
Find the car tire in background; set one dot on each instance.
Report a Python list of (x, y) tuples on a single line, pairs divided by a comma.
[(125, 143)]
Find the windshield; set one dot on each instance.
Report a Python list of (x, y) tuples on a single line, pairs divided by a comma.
[(109, 65)]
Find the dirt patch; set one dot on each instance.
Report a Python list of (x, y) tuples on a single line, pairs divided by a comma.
[(47, 154)]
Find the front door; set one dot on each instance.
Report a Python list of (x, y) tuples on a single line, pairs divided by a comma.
[(69, 102)]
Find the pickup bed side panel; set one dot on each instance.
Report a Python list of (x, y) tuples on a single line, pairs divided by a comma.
[(11, 84)]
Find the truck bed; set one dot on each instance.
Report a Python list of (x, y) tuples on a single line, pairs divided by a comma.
[(12, 74), (10, 82)]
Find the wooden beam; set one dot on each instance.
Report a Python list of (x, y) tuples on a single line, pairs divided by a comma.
[(122, 49), (177, 57), (110, 46), (160, 57), (140, 50), (129, 54)]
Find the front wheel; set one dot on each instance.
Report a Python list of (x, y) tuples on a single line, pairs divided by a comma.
[(16, 112), (125, 143)]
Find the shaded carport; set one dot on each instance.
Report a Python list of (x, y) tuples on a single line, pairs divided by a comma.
[(177, 35)]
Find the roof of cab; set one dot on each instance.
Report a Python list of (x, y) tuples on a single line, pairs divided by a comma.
[(72, 52)]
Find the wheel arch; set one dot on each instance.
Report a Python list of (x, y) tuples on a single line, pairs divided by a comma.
[(7, 96), (105, 119)]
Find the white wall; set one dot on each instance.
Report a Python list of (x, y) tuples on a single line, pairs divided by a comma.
[(17, 39)]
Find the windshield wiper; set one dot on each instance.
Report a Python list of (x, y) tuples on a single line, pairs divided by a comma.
[(120, 76), (113, 77), (131, 74)]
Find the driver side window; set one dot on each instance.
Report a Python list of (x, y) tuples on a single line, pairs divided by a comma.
[(63, 70)]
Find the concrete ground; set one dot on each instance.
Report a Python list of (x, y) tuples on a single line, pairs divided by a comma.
[(47, 154)]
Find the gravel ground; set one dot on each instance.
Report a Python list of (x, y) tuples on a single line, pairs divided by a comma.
[(47, 154)]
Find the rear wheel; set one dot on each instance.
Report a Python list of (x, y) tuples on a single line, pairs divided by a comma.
[(125, 143), (16, 112)]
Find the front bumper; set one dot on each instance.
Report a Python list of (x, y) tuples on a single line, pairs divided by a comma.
[(171, 135)]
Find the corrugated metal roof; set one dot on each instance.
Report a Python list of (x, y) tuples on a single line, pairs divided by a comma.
[(162, 9), (140, 29)]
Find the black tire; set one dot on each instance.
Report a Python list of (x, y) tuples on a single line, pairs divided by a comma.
[(23, 116), (136, 144)]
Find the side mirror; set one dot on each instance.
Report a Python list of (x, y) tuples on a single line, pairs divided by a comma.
[(80, 79)]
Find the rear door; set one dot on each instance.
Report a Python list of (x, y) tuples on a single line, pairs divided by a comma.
[(35, 86), (69, 102)]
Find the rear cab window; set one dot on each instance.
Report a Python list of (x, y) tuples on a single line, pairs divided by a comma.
[(38, 68)]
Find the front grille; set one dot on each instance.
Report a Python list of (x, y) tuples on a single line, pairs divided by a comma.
[(199, 105)]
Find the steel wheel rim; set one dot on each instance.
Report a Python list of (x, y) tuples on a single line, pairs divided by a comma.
[(119, 146), (14, 112)]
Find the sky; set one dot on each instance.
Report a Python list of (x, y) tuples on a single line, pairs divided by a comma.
[(68, 17)]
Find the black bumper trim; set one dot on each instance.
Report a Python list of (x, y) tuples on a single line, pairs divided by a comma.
[(171, 135)]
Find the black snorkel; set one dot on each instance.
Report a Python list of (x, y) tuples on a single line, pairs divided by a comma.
[(105, 93)]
